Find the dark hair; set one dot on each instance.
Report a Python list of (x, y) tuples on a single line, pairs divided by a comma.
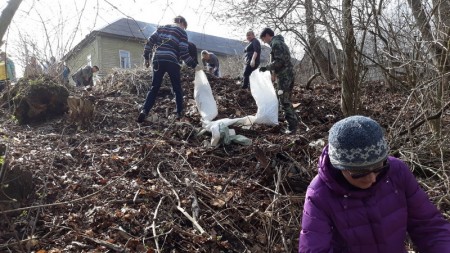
[(95, 66), (180, 20), (266, 31)]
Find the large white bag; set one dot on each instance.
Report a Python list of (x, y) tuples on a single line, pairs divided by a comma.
[(265, 97), (203, 96)]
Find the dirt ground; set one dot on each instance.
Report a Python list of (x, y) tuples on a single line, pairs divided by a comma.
[(117, 186)]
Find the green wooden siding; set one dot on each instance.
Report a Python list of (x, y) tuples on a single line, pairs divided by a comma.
[(109, 51), (79, 59), (104, 51)]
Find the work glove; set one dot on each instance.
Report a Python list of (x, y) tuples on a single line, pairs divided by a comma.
[(263, 69), (198, 67), (252, 64), (147, 63)]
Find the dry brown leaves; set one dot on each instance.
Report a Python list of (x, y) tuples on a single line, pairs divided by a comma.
[(141, 188)]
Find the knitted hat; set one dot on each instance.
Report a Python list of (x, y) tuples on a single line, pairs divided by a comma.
[(356, 142)]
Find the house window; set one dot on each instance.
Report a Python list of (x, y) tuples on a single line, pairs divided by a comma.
[(124, 59), (89, 60)]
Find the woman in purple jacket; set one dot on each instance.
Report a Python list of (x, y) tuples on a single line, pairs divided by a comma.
[(364, 201)]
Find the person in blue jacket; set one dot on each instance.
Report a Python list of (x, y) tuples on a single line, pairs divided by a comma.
[(168, 45)]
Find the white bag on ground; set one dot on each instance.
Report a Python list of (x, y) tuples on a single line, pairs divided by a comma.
[(206, 105), (222, 134), (265, 97)]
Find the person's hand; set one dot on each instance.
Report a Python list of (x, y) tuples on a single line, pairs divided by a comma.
[(252, 64), (198, 67), (147, 63), (263, 69)]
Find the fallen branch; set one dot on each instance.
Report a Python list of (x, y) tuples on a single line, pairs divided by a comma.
[(155, 236), (311, 78), (195, 206), (421, 122), (194, 222), (104, 243), (18, 243)]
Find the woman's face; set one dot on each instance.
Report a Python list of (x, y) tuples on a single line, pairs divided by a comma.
[(366, 181), (250, 36)]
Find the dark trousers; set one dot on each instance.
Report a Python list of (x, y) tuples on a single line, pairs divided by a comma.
[(159, 69), (247, 72), (216, 72)]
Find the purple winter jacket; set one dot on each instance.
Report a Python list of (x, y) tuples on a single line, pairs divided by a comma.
[(338, 217)]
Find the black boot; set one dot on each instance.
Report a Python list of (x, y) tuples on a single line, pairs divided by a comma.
[(292, 128), (142, 116)]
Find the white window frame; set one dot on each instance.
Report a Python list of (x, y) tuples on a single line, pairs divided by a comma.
[(89, 60), (124, 59)]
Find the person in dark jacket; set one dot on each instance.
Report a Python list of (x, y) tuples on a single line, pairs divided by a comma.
[(169, 45), (84, 76), (281, 66), (192, 48), (252, 57), (364, 201), (211, 62)]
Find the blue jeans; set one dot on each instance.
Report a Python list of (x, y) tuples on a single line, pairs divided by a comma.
[(159, 69)]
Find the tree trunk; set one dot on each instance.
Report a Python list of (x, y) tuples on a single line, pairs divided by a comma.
[(318, 56), (350, 91), (440, 54), (7, 16), (442, 18)]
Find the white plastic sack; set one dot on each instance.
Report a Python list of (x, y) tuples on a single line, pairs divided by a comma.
[(215, 126), (221, 133), (204, 99), (265, 97)]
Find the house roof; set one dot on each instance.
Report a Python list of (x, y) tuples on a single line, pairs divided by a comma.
[(129, 28)]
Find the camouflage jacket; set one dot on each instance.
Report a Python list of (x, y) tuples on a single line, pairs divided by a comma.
[(280, 56)]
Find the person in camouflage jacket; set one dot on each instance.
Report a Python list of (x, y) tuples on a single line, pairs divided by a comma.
[(280, 64)]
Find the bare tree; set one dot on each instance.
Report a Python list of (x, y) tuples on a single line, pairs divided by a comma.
[(350, 91), (439, 42), (7, 16), (316, 53), (321, 29)]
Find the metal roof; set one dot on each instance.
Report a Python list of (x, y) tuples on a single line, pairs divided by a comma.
[(130, 28)]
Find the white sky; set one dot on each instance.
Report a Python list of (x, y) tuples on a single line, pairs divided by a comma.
[(62, 17)]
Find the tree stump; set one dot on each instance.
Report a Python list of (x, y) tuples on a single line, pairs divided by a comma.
[(36, 100), (81, 110)]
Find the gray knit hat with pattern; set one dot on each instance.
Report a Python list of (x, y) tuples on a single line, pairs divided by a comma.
[(356, 142)]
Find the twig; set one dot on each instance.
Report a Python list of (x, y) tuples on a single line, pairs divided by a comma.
[(18, 243), (418, 124), (195, 206), (105, 243), (194, 222), (311, 78), (155, 236)]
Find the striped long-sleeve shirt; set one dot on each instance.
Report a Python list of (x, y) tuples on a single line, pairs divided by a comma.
[(170, 44)]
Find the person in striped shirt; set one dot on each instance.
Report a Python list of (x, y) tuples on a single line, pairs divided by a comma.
[(168, 46)]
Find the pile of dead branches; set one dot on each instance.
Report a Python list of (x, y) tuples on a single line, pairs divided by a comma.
[(156, 187)]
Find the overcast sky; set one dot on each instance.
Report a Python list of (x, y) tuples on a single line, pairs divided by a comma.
[(72, 20)]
